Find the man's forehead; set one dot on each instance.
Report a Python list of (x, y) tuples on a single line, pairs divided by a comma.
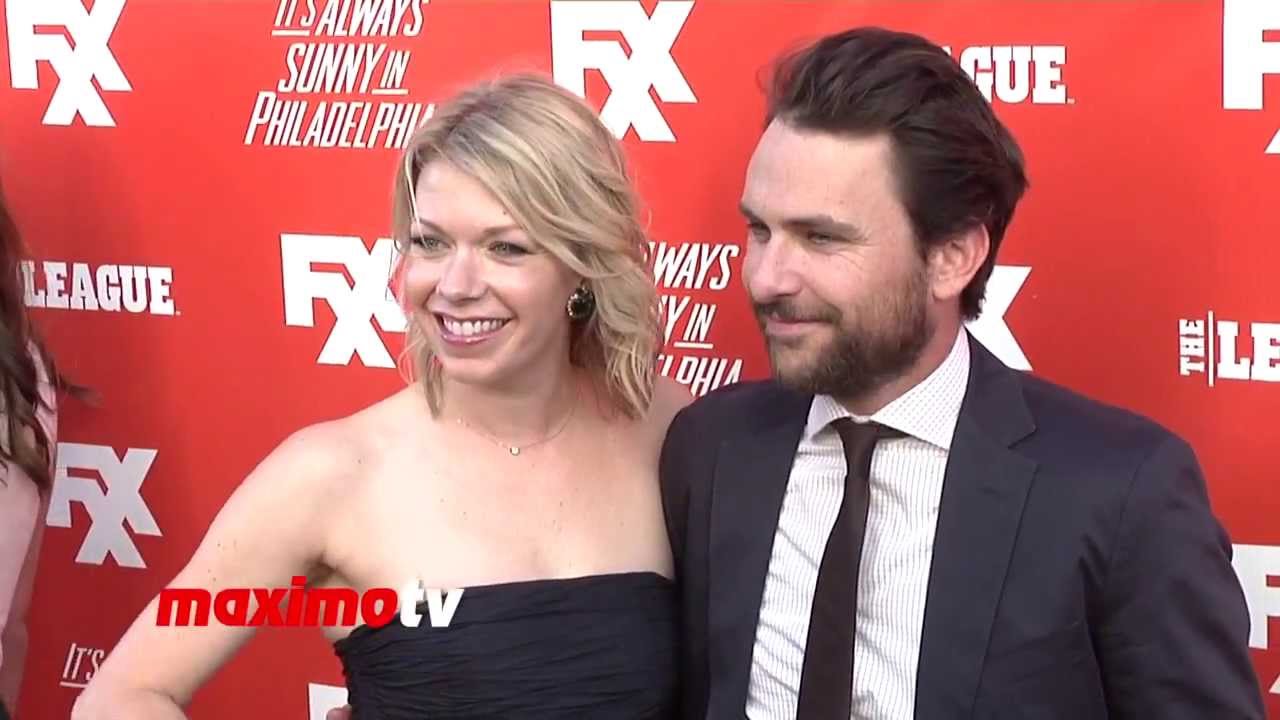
[(806, 173), (824, 141), (809, 196)]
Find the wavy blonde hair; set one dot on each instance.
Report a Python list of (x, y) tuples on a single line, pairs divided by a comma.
[(547, 158)]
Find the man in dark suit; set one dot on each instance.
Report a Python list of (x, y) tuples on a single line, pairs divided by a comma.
[(898, 525)]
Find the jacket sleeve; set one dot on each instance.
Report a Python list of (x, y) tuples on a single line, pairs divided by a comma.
[(1173, 641), (674, 479), (682, 468)]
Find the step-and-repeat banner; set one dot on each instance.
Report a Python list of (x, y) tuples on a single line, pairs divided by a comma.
[(160, 156)]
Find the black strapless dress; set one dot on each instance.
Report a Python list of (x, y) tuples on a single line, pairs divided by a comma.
[(599, 646)]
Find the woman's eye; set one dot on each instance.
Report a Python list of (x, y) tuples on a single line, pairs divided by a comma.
[(506, 248), (425, 242)]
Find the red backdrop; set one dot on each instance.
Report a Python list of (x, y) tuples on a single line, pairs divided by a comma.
[(205, 222)]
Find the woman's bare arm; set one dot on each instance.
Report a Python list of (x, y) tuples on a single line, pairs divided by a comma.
[(271, 529)]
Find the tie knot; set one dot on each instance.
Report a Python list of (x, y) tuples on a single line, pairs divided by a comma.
[(860, 439), (848, 427)]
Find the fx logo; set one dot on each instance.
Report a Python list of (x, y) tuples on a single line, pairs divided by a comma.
[(1258, 567), (108, 511), (649, 65), (990, 327), (1247, 57), (366, 297), (78, 63)]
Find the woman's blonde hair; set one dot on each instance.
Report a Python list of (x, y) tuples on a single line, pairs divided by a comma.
[(547, 158)]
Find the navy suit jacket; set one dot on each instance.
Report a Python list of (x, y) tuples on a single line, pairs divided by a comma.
[(1078, 571)]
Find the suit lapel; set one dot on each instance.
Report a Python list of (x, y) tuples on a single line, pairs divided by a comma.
[(984, 491), (746, 499)]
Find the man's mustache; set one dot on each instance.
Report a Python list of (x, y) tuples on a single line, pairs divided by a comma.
[(784, 311)]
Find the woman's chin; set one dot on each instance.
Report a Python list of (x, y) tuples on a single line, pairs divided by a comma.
[(476, 372)]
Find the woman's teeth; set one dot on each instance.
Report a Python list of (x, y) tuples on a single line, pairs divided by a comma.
[(467, 328)]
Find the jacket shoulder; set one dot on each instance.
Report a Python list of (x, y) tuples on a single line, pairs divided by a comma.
[(743, 405), (1088, 427)]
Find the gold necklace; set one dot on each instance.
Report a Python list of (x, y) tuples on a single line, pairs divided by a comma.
[(516, 449)]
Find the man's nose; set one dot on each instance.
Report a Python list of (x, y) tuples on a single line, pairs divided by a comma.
[(769, 270)]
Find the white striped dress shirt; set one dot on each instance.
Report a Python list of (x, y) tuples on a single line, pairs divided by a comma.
[(906, 488)]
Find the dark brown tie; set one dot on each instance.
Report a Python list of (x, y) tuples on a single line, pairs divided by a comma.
[(826, 680)]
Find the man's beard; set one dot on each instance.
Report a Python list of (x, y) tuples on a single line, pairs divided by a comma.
[(874, 343)]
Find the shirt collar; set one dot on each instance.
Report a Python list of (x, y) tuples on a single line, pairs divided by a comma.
[(927, 411)]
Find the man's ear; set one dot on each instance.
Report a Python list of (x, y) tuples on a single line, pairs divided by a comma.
[(954, 261)]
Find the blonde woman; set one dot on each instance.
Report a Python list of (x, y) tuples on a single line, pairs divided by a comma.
[(519, 465)]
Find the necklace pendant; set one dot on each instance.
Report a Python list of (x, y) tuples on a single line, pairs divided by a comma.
[(514, 450)]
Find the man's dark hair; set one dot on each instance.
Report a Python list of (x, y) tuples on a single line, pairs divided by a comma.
[(954, 163)]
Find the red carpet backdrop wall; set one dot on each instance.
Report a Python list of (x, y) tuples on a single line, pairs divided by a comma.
[(205, 185)]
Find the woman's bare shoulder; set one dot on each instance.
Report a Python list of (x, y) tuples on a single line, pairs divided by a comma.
[(330, 456), (290, 499), (669, 398)]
